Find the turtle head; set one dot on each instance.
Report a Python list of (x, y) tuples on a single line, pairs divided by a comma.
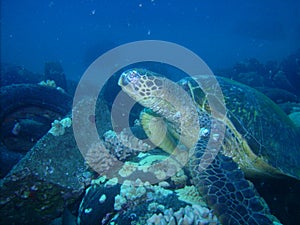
[(173, 108), (157, 93), (142, 85)]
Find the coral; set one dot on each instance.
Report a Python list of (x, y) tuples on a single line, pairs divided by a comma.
[(111, 182), (138, 202), (48, 83), (119, 201), (99, 180), (154, 206), (188, 215), (163, 167), (179, 178), (123, 145), (135, 192), (130, 191), (52, 84), (160, 191), (100, 160), (190, 195), (58, 127), (104, 157), (66, 122), (127, 169)]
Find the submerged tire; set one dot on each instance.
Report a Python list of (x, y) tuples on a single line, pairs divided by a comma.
[(26, 114)]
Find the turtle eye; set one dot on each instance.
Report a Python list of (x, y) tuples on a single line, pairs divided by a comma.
[(130, 76)]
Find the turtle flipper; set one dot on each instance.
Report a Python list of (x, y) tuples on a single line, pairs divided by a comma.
[(233, 198), (156, 129)]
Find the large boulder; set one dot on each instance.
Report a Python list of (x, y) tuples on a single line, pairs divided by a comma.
[(48, 179)]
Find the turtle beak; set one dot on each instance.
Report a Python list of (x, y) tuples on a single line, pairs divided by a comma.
[(123, 81), (129, 76)]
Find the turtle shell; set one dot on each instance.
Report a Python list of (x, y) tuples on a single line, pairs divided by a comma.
[(269, 132)]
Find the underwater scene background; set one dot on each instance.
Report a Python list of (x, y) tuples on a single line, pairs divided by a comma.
[(123, 178)]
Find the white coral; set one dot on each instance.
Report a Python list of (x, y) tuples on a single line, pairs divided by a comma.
[(58, 126)]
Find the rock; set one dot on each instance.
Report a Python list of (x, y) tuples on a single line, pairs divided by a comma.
[(47, 180), (278, 95), (291, 68), (13, 74)]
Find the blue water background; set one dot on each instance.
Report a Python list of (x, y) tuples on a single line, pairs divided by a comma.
[(77, 32)]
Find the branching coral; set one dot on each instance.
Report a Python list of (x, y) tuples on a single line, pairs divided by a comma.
[(99, 158), (123, 144), (190, 194)]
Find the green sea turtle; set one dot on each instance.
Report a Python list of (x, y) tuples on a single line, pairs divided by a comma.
[(258, 139)]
